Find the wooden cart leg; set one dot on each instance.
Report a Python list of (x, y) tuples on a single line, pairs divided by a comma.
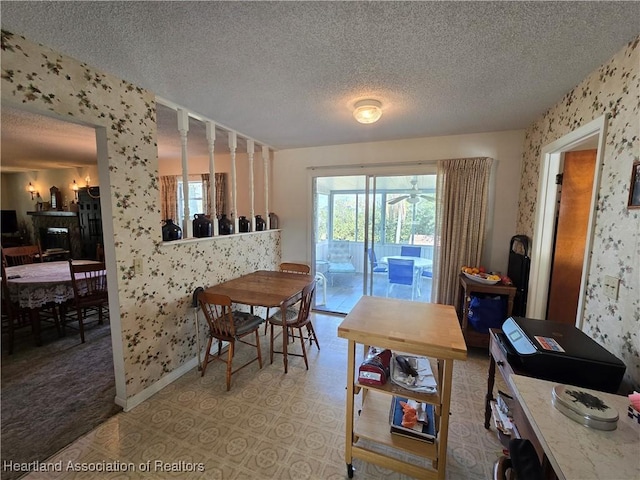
[(349, 470), (348, 444)]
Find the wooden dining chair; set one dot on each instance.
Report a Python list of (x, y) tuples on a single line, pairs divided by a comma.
[(227, 325), (99, 252), (12, 256), (15, 317), (89, 281), (295, 268), (289, 267), (294, 314), (9, 312)]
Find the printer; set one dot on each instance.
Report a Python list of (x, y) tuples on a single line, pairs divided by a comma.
[(561, 353)]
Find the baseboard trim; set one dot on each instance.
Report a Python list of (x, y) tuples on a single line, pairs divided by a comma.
[(129, 403)]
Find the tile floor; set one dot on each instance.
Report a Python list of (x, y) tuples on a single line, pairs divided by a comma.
[(269, 426)]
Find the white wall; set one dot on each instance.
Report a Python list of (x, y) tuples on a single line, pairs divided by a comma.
[(291, 195)]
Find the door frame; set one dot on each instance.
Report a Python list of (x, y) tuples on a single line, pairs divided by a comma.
[(551, 164)]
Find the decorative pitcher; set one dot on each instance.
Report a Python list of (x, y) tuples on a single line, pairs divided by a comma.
[(225, 226), (202, 226), (243, 224), (273, 220), (171, 231), (260, 223)]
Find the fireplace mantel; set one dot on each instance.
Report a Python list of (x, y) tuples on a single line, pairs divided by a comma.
[(58, 219), (53, 213)]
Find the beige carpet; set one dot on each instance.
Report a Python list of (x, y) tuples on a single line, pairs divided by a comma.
[(53, 394), (269, 426)]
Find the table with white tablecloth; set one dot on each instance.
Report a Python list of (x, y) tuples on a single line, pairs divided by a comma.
[(35, 285)]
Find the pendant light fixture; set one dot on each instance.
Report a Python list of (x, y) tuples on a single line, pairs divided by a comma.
[(367, 111)]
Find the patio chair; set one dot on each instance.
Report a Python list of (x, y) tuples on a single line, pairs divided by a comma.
[(375, 266), (410, 251), (401, 272), (340, 260)]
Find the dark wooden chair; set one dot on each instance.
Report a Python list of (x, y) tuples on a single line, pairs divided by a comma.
[(10, 317), (294, 314), (99, 252), (227, 325), (22, 255), (15, 317), (89, 292)]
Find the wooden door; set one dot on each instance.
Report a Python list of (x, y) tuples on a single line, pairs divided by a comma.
[(571, 235)]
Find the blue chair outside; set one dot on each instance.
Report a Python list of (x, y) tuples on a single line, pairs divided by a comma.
[(407, 251), (375, 266), (401, 272)]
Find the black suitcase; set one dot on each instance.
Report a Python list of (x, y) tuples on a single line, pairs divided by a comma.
[(518, 272)]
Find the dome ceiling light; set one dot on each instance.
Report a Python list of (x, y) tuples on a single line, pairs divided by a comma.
[(367, 111)]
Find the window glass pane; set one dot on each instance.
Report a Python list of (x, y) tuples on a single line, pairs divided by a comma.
[(322, 217), (196, 198), (344, 217)]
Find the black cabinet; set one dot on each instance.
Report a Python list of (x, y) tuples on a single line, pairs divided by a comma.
[(90, 220)]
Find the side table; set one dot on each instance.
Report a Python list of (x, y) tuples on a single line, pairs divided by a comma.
[(465, 289)]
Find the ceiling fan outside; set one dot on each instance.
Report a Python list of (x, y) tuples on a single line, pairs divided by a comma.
[(414, 196)]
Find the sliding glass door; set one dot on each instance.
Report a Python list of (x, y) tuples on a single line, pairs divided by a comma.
[(373, 235)]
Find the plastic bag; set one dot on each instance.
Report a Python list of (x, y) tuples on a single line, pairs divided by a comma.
[(486, 313)]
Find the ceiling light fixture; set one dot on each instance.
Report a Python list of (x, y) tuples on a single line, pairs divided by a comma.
[(367, 111)]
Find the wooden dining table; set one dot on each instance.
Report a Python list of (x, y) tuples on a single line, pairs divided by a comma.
[(263, 288)]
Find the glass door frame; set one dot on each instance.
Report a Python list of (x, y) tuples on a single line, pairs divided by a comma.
[(370, 173)]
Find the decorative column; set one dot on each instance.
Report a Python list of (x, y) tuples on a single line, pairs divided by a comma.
[(265, 160), (211, 140), (250, 152), (183, 129), (233, 145)]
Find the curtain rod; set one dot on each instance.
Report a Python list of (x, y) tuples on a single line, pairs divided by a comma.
[(374, 165)]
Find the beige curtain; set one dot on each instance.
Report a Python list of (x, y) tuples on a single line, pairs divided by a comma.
[(461, 201), (206, 189), (221, 193), (169, 197)]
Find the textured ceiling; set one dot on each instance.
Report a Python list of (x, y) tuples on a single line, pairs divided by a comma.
[(288, 73)]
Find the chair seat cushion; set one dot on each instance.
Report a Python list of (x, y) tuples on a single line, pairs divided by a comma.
[(245, 322), (341, 267), (379, 269), (292, 316)]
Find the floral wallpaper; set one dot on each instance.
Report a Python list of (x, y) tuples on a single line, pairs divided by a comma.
[(158, 331), (612, 89)]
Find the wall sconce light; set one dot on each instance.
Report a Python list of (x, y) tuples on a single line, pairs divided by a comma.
[(74, 187), (96, 189), (32, 190), (367, 111)]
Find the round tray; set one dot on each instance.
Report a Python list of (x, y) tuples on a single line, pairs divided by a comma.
[(479, 279), (584, 407)]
